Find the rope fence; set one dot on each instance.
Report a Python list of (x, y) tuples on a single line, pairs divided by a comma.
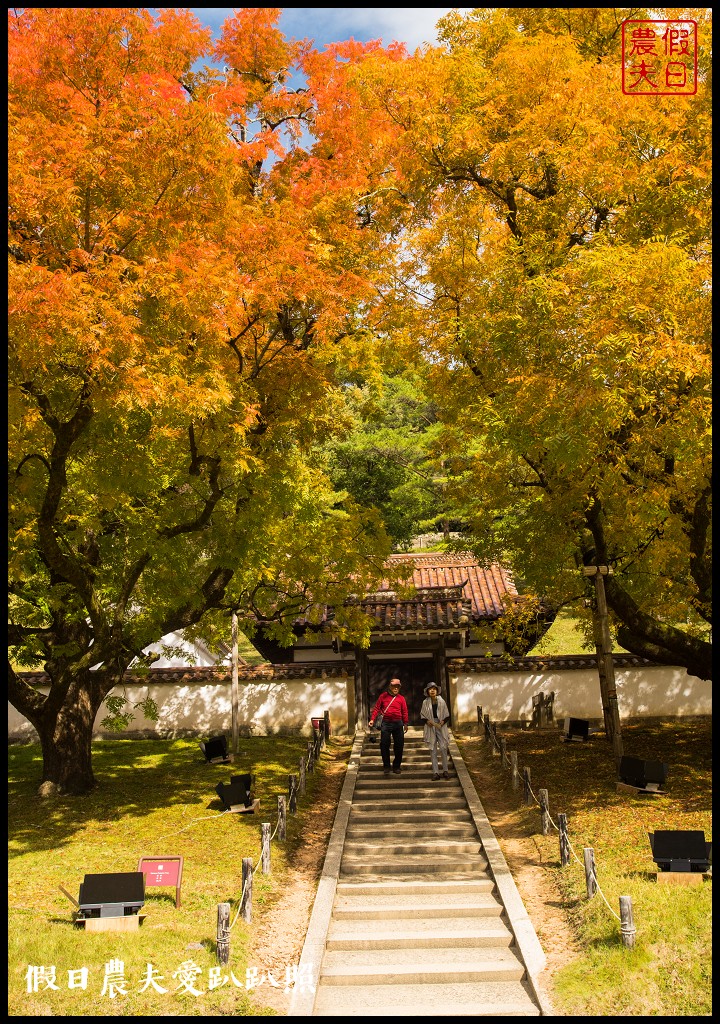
[(508, 759), (296, 788)]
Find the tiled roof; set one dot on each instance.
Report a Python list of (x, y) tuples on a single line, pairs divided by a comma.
[(430, 607), (541, 663), (341, 670), (222, 673), (451, 592), (455, 590)]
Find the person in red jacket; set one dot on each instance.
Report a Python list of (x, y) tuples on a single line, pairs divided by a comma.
[(393, 725)]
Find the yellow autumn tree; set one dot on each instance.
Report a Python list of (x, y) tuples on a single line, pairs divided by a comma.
[(555, 256)]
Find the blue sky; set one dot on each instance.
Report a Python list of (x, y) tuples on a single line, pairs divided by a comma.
[(410, 25)]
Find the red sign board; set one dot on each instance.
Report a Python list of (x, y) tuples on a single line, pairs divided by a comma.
[(162, 871)]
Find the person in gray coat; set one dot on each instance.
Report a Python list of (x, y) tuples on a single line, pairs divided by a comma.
[(435, 714)]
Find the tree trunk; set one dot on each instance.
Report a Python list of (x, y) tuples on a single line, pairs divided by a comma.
[(66, 737), (609, 667)]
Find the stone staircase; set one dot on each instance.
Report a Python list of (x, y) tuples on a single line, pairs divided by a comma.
[(417, 925)]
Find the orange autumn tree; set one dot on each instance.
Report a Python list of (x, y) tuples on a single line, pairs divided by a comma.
[(184, 285), (554, 280)]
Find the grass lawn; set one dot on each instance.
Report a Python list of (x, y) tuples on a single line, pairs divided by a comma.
[(566, 637), (155, 797), (668, 971)]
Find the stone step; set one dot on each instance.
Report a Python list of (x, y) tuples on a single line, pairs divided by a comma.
[(453, 801), (416, 748), (412, 782), (399, 794), (422, 847), (371, 751), (371, 760), (420, 966), (411, 797), (403, 821), (430, 803), (436, 787), (469, 999), (408, 907), (372, 876), (414, 886), (412, 746), (408, 864), (367, 827), (413, 737), (371, 755), (380, 816), (423, 830), (421, 776), (421, 770), (420, 933), (378, 811)]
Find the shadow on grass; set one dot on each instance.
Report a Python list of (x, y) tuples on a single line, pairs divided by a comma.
[(137, 778)]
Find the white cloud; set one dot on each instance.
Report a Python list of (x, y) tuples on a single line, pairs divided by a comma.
[(410, 25)]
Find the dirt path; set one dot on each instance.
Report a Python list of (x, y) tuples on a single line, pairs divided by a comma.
[(281, 933)]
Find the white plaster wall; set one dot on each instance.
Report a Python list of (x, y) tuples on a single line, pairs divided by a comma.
[(264, 707), (267, 706), (642, 692)]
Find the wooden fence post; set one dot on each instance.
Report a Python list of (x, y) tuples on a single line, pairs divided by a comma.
[(301, 777), (527, 793), (311, 756), (495, 743), (503, 752), (544, 811), (292, 793), (535, 717), (486, 721), (479, 714), (543, 711), (564, 841), (514, 770), (247, 881), (222, 948), (265, 844), (282, 821), (627, 926), (590, 872), (326, 717)]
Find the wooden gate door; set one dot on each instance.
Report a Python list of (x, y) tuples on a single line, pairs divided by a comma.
[(414, 676)]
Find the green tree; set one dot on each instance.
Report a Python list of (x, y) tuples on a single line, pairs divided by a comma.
[(387, 461)]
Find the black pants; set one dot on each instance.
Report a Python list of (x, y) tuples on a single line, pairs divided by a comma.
[(397, 732)]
